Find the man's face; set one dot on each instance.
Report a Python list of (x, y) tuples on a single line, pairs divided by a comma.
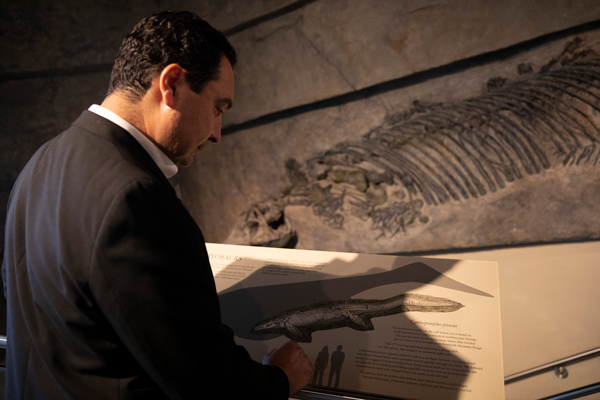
[(197, 119)]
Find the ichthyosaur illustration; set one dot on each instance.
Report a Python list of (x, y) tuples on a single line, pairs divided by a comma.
[(262, 302), (299, 323)]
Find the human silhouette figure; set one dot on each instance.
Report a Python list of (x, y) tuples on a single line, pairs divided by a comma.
[(320, 364), (337, 359)]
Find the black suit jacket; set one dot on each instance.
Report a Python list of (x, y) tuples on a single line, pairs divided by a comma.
[(109, 287)]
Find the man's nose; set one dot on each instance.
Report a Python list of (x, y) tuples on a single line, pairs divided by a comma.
[(216, 135)]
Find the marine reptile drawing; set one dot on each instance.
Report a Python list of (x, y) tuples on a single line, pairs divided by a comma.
[(263, 302), (299, 323)]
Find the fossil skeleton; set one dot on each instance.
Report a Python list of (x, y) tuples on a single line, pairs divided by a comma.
[(451, 151), (299, 323)]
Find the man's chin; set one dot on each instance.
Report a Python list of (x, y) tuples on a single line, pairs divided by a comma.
[(185, 163)]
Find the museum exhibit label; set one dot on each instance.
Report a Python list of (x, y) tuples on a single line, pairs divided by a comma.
[(373, 326)]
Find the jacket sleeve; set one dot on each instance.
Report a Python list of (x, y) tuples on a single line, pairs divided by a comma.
[(151, 277)]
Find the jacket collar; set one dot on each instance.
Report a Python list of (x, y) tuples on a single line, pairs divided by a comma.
[(100, 126)]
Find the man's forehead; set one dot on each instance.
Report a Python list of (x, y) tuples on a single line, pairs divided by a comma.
[(226, 82)]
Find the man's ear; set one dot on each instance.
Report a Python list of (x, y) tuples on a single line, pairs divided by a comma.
[(170, 84)]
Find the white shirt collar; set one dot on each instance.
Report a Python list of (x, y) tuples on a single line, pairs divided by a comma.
[(168, 168)]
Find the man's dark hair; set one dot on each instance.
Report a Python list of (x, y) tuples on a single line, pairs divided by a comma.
[(169, 37)]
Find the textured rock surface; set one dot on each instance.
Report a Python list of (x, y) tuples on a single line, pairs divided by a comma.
[(227, 14), (42, 35), (334, 47), (55, 59)]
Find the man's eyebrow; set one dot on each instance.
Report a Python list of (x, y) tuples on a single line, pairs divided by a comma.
[(226, 101)]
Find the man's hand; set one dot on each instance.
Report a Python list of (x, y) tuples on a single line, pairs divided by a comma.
[(293, 361)]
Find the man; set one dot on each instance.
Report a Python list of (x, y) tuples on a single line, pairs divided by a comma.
[(109, 287)]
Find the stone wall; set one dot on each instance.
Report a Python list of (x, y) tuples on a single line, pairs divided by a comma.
[(334, 47), (312, 74)]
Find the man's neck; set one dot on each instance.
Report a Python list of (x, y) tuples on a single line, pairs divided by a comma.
[(130, 112)]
